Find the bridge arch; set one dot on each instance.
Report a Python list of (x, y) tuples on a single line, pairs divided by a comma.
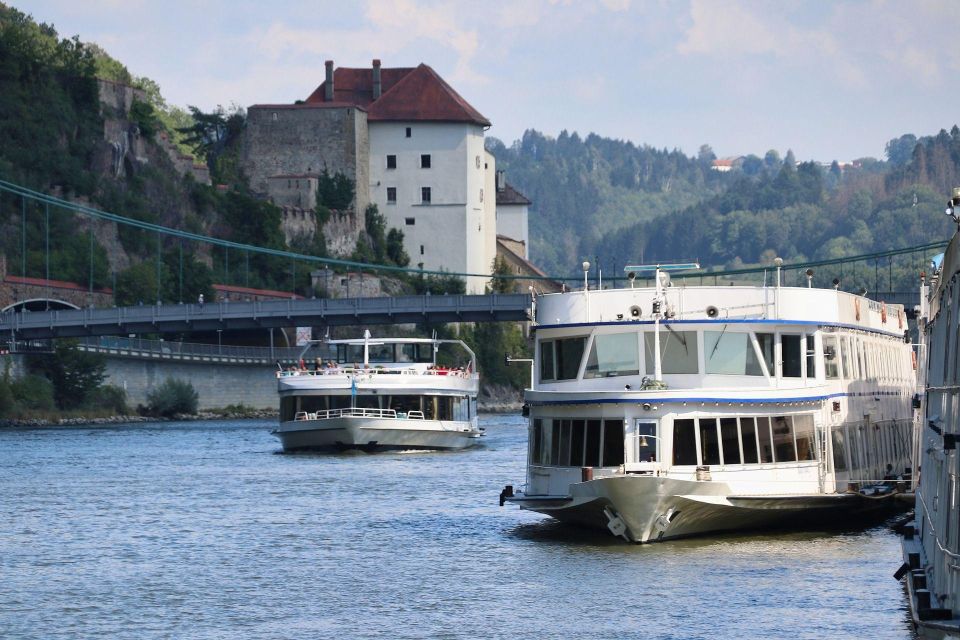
[(39, 304)]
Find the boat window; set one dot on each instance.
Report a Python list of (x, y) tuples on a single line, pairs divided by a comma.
[(731, 440), (569, 353), (350, 353), (803, 428), (421, 352), (684, 442), (576, 443), (845, 358), (288, 408), (546, 361), (784, 448), (554, 443), (730, 353), (766, 342), (790, 355), (709, 442), (831, 357), (536, 442), (839, 455), (614, 354), (861, 360), (381, 353), (678, 351), (766, 443), (748, 437), (612, 443), (808, 345), (564, 459), (646, 441), (560, 359), (592, 445)]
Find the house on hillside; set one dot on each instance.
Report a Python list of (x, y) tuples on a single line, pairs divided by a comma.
[(413, 146), (430, 175)]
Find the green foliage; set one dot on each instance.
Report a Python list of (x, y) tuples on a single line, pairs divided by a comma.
[(211, 133), (498, 283), (335, 192), (584, 188), (50, 105), (145, 117), (32, 392), (377, 246), (7, 401), (74, 374), (109, 398), (491, 341), (136, 284), (171, 398)]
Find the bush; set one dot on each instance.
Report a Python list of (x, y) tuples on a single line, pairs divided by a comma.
[(110, 398), (33, 392), (172, 397)]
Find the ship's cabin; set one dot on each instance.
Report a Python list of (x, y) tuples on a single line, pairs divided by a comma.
[(718, 354)]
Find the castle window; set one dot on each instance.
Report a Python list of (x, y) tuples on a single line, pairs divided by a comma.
[(274, 116), (421, 249), (425, 195), (392, 195), (410, 221), (391, 162), (425, 161), (481, 195), (478, 162), (409, 132)]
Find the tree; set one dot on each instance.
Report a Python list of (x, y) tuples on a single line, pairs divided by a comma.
[(74, 374), (706, 154), (499, 283), (335, 192), (900, 150)]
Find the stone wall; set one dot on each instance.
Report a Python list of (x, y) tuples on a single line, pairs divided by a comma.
[(281, 140), (217, 384), (342, 231)]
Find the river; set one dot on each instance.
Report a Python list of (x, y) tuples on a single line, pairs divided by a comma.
[(204, 530)]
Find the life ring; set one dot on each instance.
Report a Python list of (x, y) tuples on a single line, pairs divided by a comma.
[(856, 307), (900, 318), (883, 312), (913, 357)]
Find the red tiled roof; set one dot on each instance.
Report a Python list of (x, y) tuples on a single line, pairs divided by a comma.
[(53, 284), (255, 292), (407, 95)]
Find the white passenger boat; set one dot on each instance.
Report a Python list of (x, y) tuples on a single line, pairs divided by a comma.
[(931, 543), (668, 411), (380, 394)]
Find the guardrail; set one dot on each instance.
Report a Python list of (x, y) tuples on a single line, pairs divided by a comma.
[(166, 350), (265, 314), (357, 412)]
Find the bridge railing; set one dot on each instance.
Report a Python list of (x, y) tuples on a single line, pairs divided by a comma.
[(163, 349)]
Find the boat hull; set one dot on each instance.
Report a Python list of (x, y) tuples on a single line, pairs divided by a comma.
[(655, 508), (375, 434)]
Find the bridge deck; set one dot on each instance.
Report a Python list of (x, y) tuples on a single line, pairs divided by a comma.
[(175, 318)]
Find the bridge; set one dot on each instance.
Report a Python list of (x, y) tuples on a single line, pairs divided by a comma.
[(264, 314)]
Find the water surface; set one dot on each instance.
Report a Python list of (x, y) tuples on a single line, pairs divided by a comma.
[(203, 530)]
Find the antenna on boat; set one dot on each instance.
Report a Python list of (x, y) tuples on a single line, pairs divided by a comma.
[(586, 286), (659, 298)]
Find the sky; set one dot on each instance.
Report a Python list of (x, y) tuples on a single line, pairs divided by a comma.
[(829, 80)]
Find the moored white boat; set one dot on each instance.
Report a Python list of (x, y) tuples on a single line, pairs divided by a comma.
[(380, 394), (667, 411), (931, 543)]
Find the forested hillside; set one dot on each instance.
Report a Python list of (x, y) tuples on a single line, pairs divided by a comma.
[(584, 188), (624, 203)]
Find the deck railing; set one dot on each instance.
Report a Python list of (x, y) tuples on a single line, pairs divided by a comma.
[(358, 412)]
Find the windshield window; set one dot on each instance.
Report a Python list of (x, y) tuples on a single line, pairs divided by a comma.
[(614, 354), (730, 353)]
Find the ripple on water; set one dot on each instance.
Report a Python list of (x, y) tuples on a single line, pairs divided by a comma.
[(199, 530)]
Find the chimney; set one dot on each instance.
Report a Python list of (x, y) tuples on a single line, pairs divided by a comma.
[(328, 86), (376, 79), (501, 181)]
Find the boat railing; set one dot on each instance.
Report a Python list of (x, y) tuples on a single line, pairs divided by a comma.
[(357, 412), (456, 372)]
